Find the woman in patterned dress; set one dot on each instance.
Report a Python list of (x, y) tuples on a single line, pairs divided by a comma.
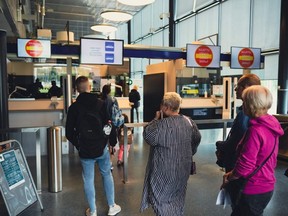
[(173, 140)]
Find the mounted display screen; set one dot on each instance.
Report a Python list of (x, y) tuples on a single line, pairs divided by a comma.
[(100, 51), (245, 58), (205, 56), (33, 48)]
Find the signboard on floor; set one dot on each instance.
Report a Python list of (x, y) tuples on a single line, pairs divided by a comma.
[(16, 183)]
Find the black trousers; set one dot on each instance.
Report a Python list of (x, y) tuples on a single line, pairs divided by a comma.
[(252, 205), (132, 114)]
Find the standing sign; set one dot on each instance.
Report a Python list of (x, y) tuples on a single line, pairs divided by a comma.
[(16, 182), (245, 58), (11, 169)]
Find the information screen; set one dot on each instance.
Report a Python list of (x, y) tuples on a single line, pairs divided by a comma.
[(33, 48), (245, 58), (100, 51), (205, 56)]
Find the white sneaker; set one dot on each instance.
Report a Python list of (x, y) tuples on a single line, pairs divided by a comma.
[(113, 210), (89, 213)]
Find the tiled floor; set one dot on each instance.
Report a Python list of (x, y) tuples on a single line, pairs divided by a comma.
[(201, 193)]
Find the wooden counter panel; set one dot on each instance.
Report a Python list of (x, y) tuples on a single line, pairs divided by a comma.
[(21, 105), (201, 103)]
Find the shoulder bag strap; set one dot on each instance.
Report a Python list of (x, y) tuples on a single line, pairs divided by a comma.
[(262, 164)]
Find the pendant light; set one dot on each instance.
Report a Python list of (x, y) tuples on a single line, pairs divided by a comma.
[(104, 28), (136, 2), (116, 15)]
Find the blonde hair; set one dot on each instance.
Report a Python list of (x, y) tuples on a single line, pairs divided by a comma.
[(257, 99), (172, 100)]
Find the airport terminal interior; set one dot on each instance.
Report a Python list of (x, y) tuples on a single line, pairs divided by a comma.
[(197, 48), (202, 190)]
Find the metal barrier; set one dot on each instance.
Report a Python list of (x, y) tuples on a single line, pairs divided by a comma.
[(54, 144), (134, 125)]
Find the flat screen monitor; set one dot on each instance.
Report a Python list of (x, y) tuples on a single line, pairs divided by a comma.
[(101, 51), (245, 58), (205, 56), (33, 48)]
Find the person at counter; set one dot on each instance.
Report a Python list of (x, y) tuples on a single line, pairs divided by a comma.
[(34, 89), (54, 90), (134, 98), (226, 150), (88, 105)]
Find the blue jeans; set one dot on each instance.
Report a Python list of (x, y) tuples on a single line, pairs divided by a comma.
[(88, 174)]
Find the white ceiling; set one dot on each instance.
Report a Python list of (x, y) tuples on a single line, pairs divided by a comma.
[(81, 14)]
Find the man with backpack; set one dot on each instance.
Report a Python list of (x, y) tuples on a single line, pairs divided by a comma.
[(88, 129)]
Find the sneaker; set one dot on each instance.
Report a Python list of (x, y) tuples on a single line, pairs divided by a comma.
[(113, 210), (88, 213)]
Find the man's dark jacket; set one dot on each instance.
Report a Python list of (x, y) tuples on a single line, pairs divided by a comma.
[(134, 97), (87, 101)]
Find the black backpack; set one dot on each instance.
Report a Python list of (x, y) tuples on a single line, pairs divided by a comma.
[(91, 137)]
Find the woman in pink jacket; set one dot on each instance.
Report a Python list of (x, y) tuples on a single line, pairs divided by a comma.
[(260, 141)]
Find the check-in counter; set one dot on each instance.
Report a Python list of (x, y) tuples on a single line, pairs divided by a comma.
[(202, 108), (35, 113), (44, 113)]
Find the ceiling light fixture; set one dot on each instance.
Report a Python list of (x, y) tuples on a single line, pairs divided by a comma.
[(105, 28), (136, 3), (116, 15)]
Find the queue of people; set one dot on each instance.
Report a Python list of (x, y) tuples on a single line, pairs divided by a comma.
[(250, 151)]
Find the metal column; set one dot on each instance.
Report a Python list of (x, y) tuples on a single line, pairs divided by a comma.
[(54, 144), (4, 123), (282, 106)]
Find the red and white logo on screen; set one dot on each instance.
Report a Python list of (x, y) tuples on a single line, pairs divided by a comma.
[(246, 57), (203, 56), (34, 48)]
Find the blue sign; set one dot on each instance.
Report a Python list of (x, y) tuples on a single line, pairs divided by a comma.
[(109, 57), (109, 46)]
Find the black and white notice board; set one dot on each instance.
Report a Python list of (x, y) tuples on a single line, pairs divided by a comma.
[(16, 183)]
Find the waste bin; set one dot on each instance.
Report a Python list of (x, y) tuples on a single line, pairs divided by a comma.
[(54, 143)]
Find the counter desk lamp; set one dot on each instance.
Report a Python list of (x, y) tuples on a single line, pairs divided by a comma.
[(17, 88)]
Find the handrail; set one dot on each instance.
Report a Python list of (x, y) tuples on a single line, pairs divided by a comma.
[(143, 124)]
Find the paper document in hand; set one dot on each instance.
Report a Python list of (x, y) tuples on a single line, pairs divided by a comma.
[(223, 198)]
